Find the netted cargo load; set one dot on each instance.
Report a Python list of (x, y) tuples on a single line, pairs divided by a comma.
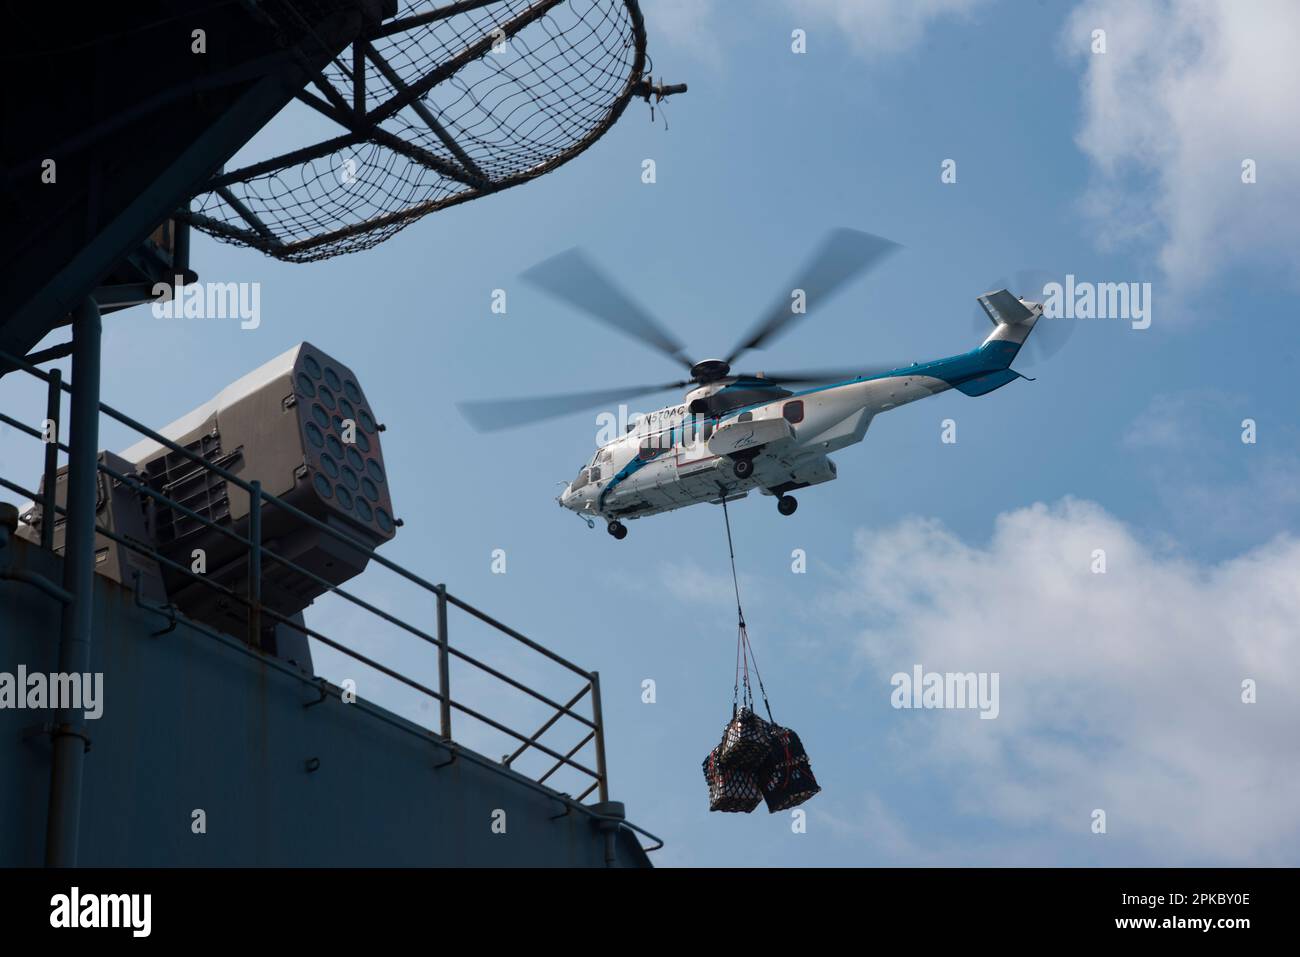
[(734, 768), (746, 741), (786, 777), (757, 759), (733, 789)]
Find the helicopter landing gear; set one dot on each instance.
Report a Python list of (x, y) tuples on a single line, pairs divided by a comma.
[(786, 504), (742, 468), (617, 529)]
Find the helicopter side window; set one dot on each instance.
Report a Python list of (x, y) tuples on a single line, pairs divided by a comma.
[(793, 411), (649, 448)]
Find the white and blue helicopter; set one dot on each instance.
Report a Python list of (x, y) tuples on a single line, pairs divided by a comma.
[(733, 433)]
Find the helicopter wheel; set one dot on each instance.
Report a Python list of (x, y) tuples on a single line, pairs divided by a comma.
[(742, 468), (618, 530), (786, 504)]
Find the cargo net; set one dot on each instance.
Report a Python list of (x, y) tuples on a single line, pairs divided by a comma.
[(756, 760), (457, 100)]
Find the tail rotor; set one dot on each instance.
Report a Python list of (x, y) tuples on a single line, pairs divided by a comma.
[(1050, 332)]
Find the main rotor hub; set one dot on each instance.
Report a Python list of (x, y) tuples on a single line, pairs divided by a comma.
[(710, 370)]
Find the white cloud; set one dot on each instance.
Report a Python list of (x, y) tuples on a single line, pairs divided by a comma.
[(688, 582), (1119, 691), (1177, 420), (881, 27), (1183, 94), (1214, 486), (689, 25), (872, 822)]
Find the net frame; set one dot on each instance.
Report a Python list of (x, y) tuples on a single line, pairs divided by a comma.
[(430, 117)]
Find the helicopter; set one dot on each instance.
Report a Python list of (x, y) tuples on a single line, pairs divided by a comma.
[(735, 432)]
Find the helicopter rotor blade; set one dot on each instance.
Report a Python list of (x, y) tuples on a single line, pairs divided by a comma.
[(489, 415), (573, 278), (842, 255)]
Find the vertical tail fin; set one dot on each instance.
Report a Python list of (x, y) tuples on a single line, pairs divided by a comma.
[(1013, 320)]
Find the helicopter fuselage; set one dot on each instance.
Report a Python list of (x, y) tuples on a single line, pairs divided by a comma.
[(675, 457)]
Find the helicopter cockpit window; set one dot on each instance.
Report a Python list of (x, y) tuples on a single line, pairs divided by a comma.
[(580, 481), (591, 471)]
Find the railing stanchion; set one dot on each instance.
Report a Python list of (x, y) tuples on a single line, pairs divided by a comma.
[(52, 405), (255, 564), (444, 664), (598, 717), (77, 624)]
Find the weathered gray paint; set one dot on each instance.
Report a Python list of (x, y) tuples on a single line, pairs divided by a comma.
[(191, 721)]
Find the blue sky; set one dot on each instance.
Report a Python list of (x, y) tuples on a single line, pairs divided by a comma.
[(1119, 691)]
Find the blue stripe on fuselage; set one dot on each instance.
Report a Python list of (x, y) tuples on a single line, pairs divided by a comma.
[(633, 465), (953, 370)]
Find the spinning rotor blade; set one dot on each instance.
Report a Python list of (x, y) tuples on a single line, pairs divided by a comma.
[(488, 415), (573, 278), (842, 255), (826, 376)]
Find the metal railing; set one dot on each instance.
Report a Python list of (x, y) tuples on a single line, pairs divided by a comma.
[(258, 553)]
